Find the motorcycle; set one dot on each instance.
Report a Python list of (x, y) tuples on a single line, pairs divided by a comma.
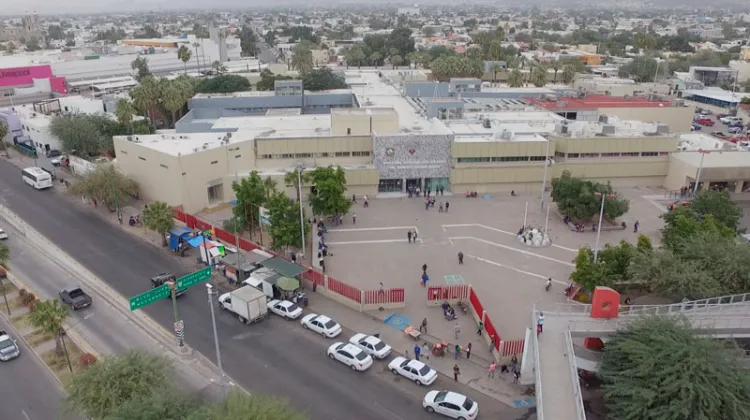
[(462, 305)]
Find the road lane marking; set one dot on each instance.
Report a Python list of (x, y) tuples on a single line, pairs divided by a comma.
[(375, 228), (388, 411), (375, 241), (528, 273), (25, 415), (510, 248), (503, 232)]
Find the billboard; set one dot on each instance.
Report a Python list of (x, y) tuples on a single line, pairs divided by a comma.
[(18, 76)]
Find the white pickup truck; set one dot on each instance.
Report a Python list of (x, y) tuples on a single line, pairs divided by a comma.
[(247, 302)]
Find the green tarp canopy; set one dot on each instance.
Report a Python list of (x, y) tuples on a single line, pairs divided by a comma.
[(283, 267)]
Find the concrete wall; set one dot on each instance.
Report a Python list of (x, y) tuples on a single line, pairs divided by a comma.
[(678, 118), (315, 151), (363, 123), (264, 102), (427, 90), (484, 149), (615, 144)]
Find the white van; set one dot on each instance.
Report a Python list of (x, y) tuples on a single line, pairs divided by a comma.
[(37, 177)]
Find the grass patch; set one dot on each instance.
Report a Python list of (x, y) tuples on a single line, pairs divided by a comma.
[(20, 322), (38, 337), (59, 365)]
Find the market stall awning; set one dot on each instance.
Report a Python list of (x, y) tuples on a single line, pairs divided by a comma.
[(283, 267)]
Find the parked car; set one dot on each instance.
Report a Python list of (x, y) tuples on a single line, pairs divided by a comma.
[(730, 120), (696, 127), (372, 345), (3, 235), (75, 297), (9, 349), (719, 134), (285, 309), (705, 121), (321, 324), (736, 124), (734, 129), (350, 355), (414, 370), (679, 204), (450, 404)]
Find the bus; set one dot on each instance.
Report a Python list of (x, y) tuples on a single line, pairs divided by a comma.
[(37, 178)]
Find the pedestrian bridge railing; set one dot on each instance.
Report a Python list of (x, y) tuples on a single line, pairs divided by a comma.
[(537, 370), (698, 321), (574, 376)]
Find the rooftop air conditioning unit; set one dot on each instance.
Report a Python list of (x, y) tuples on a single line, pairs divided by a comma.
[(608, 130), (205, 146), (486, 123), (130, 138), (506, 135), (195, 149), (662, 128), (603, 119)]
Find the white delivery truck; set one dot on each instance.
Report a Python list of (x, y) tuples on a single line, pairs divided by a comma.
[(247, 302)]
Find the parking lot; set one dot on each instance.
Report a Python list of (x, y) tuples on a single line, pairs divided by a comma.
[(719, 128)]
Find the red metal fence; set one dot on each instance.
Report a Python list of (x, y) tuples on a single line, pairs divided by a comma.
[(475, 303), (489, 328), (448, 292), (310, 275), (384, 296), (512, 347), (344, 290)]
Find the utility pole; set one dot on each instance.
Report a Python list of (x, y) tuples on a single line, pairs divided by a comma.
[(223, 382)]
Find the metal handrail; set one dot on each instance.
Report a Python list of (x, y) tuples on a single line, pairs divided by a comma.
[(537, 369), (577, 396), (609, 325), (714, 305)]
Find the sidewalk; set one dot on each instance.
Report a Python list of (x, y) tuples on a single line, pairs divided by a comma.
[(474, 371)]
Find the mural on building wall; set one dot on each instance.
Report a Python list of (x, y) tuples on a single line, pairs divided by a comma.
[(413, 155)]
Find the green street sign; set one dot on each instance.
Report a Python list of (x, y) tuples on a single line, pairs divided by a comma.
[(193, 278), (147, 298)]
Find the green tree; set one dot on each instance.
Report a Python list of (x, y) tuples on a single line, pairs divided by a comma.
[(576, 198), (159, 218), (107, 185), (140, 65), (330, 191), (354, 55), (284, 227), (302, 58), (184, 54), (218, 67), (239, 405), (251, 194), (104, 387), (556, 65), (322, 79), (4, 254), (396, 60), (227, 83), (448, 66), (429, 31), (146, 95), (568, 74), (293, 178), (49, 316), (660, 369), (400, 39), (718, 204), (164, 404), (683, 223), (268, 80), (78, 134), (515, 78), (175, 94), (539, 76), (610, 270), (125, 111), (3, 133), (248, 41), (376, 57)]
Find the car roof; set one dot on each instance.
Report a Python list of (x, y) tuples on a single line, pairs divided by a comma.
[(351, 348), (416, 364), (371, 339), (322, 318), (285, 303), (71, 288), (455, 398)]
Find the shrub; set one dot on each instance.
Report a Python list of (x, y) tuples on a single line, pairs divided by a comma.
[(28, 298), (32, 306), (87, 359), (22, 293)]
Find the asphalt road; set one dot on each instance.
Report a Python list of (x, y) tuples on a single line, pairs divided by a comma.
[(273, 357), (266, 55), (28, 391)]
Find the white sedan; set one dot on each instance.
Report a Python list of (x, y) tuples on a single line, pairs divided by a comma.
[(285, 309), (414, 370), (350, 355), (372, 345), (450, 404), (322, 325), (3, 235)]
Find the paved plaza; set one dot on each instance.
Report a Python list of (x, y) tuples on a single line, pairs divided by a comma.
[(507, 275)]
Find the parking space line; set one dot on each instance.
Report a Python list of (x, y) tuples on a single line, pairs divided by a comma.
[(375, 228), (528, 273), (501, 231), (510, 248), (374, 241)]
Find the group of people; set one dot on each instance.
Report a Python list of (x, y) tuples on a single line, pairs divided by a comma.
[(509, 368)]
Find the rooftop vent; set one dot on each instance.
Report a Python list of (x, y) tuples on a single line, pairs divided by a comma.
[(486, 123), (662, 129), (608, 130)]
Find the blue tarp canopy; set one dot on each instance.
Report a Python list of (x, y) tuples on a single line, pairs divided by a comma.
[(195, 241), (182, 232)]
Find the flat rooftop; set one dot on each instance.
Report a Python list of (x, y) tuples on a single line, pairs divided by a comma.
[(597, 101), (171, 143), (278, 126), (717, 94), (723, 159), (632, 128), (497, 137)]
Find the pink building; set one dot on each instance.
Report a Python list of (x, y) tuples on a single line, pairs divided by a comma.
[(25, 77)]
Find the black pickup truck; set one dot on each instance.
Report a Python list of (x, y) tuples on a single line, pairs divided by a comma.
[(165, 278), (75, 297)]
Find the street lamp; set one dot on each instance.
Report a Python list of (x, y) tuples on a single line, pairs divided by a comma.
[(604, 197), (300, 167), (700, 167), (547, 162), (211, 294)]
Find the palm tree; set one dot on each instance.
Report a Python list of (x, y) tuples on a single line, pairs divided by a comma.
[(539, 76), (146, 95), (292, 178), (49, 316), (375, 58), (495, 68), (125, 112), (174, 97), (302, 58), (396, 60), (184, 54), (269, 187), (515, 78), (159, 218), (556, 65), (218, 67), (568, 74), (3, 133)]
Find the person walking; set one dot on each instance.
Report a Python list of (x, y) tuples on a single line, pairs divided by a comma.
[(460, 258), (447, 205), (540, 322), (424, 268), (491, 372), (635, 226), (492, 343), (408, 236), (456, 331), (354, 218), (425, 279), (513, 363), (457, 352), (456, 372), (417, 350), (468, 351), (354, 199), (367, 203), (426, 350), (480, 328), (423, 326), (414, 236)]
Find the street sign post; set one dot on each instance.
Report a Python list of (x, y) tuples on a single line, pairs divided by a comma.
[(194, 278), (147, 298)]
